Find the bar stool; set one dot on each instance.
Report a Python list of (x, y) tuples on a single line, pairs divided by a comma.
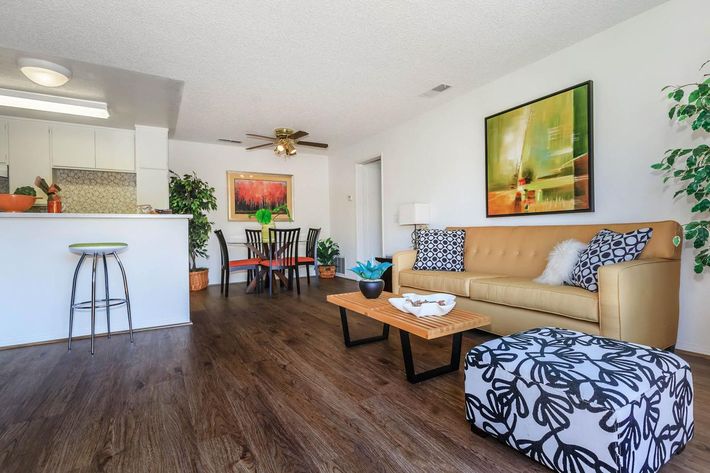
[(96, 250)]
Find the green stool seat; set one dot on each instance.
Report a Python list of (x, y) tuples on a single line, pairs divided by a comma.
[(101, 248)]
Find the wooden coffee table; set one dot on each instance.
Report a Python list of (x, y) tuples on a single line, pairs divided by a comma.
[(454, 323)]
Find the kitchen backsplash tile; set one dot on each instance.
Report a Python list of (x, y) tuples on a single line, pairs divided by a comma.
[(96, 191)]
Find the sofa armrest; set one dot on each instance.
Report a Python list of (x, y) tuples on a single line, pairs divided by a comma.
[(639, 300), (401, 260)]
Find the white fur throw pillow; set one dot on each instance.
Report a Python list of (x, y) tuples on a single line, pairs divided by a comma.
[(560, 262)]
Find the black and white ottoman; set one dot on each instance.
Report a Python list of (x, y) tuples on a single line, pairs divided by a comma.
[(581, 403)]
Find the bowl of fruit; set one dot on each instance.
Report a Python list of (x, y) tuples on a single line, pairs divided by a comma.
[(22, 200)]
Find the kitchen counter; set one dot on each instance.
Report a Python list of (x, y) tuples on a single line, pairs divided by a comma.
[(36, 270), (93, 216)]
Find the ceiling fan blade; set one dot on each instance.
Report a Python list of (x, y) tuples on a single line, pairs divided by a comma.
[(260, 146), (261, 136), (227, 140), (311, 143), (298, 134)]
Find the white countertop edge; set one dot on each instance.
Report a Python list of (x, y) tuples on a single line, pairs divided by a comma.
[(92, 216)]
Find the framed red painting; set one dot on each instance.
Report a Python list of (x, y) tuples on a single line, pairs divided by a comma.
[(251, 191)]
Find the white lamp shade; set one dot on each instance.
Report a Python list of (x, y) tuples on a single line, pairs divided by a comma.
[(414, 214)]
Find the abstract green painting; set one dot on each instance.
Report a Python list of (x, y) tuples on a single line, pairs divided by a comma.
[(539, 155)]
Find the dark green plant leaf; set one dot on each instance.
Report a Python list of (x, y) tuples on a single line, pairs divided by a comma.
[(671, 112), (702, 206)]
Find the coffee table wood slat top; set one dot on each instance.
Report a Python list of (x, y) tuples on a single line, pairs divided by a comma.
[(425, 327)]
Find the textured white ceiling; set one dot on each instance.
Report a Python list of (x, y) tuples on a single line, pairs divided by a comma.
[(339, 69), (132, 97)]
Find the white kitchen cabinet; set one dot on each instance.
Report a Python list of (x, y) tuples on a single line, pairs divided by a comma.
[(3, 141), (152, 188), (72, 146), (151, 147), (115, 150), (28, 152)]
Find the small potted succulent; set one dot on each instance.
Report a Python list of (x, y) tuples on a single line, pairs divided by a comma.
[(371, 284), (327, 251)]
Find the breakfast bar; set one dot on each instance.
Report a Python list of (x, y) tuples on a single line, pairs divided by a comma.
[(37, 269)]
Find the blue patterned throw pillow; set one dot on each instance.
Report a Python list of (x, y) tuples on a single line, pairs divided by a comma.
[(607, 247), (440, 250)]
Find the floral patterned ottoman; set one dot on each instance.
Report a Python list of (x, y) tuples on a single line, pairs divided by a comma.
[(581, 403)]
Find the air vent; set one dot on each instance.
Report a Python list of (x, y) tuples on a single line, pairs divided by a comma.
[(436, 90), (226, 140), (339, 265)]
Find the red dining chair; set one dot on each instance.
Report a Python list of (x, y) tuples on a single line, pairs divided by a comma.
[(249, 264), (254, 240), (310, 258), (283, 256)]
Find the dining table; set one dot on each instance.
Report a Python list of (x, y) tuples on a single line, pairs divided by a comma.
[(262, 252)]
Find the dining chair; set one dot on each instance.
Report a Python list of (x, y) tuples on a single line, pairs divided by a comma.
[(233, 265), (254, 239), (283, 256), (310, 258)]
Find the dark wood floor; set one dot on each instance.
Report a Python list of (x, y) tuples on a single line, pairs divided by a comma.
[(256, 384)]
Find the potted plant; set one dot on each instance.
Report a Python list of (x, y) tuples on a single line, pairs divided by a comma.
[(371, 284), (266, 217), (191, 195), (690, 167), (327, 251)]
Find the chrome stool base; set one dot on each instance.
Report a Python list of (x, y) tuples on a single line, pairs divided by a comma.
[(107, 302)]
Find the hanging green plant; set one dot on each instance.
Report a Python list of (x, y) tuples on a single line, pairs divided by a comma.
[(690, 167)]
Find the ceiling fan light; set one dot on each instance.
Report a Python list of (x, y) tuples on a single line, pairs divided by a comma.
[(44, 72), (290, 148)]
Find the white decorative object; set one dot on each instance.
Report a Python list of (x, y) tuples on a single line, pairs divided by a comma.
[(560, 262), (424, 305)]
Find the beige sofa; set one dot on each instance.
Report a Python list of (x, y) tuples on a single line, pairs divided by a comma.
[(637, 300)]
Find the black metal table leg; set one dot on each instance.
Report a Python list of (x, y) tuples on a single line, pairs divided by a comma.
[(413, 377), (346, 332)]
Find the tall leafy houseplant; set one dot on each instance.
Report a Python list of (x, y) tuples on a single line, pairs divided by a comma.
[(191, 195), (690, 167)]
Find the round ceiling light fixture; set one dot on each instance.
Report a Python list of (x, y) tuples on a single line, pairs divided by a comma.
[(43, 72)]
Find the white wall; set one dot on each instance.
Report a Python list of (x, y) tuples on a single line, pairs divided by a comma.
[(438, 157), (211, 163)]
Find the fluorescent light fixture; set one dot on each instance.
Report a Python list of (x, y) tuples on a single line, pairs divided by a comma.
[(53, 103), (44, 72)]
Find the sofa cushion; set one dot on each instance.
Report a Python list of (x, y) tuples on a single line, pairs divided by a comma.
[(606, 248), (440, 250), (568, 301), (440, 281)]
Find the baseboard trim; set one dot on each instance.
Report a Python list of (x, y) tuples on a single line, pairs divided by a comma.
[(683, 353), (98, 335), (692, 349)]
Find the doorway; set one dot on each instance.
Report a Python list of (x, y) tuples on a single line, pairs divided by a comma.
[(369, 209)]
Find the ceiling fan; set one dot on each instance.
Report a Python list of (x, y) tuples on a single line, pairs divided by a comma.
[(285, 141)]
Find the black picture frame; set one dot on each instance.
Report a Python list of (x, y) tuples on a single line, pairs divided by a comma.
[(590, 152)]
